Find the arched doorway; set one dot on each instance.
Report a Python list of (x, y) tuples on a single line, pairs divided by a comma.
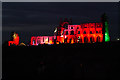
[(38, 40), (92, 39), (34, 42), (98, 39), (72, 32), (70, 41), (85, 39)]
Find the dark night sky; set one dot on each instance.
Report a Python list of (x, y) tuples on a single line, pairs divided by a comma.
[(33, 19)]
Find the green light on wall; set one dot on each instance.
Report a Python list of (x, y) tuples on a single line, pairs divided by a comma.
[(107, 37)]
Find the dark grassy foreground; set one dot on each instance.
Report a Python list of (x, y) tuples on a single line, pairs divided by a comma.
[(78, 61)]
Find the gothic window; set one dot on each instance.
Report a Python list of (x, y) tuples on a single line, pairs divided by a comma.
[(98, 39), (90, 32), (38, 41), (71, 27), (84, 32), (78, 32), (91, 39), (72, 33), (33, 42), (85, 39), (85, 26)]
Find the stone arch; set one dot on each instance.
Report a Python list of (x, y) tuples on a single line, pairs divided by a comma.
[(33, 40), (92, 39), (38, 40), (98, 39), (85, 39)]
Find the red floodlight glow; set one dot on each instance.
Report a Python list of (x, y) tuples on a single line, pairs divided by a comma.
[(66, 33)]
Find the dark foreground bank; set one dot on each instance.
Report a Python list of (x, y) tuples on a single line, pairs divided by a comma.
[(64, 61)]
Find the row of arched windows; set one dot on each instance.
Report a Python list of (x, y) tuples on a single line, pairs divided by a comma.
[(41, 40), (87, 25), (85, 39), (72, 32)]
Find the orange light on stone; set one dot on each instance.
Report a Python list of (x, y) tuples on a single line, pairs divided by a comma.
[(57, 42), (50, 42), (72, 41)]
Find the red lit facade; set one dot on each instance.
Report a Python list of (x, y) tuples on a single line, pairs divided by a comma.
[(84, 33), (42, 40), (68, 33)]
